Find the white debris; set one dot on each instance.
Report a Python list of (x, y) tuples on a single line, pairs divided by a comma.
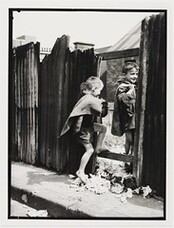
[(76, 183), (24, 198), (123, 198), (129, 193), (97, 185), (102, 173), (146, 191), (117, 188), (40, 213), (71, 176), (137, 190)]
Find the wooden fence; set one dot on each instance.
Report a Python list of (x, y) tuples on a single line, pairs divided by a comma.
[(23, 109), (151, 105), (61, 75), (41, 98)]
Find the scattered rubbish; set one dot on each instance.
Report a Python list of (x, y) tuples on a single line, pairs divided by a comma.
[(123, 198), (105, 179), (124, 195), (71, 176), (136, 191), (129, 193), (40, 213), (76, 183), (102, 173), (116, 179), (117, 188), (130, 182), (116, 184), (24, 198), (144, 191), (97, 184)]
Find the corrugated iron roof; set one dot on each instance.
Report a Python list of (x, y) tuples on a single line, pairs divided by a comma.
[(129, 41), (103, 49)]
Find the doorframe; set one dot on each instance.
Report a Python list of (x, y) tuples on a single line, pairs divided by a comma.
[(134, 159)]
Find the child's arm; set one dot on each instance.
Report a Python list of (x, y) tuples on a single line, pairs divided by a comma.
[(96, 105), (131, 90), (127, 99), (104, 109), (126, 93)]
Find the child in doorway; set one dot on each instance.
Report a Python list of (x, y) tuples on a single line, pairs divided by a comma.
[(124, 105), (81, 121)]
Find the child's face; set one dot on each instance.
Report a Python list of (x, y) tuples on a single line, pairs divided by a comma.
[(133, 74)]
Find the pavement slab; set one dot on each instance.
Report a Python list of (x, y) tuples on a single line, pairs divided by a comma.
[(46, 190)]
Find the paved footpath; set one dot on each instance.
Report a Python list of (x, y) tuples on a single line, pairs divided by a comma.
[(46, 190), (22, 210)]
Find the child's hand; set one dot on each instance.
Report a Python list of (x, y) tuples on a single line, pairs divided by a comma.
[(131, 87), (102, 100), (131, 90)]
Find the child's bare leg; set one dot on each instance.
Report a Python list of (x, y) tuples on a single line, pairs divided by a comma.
[(128, 141), (84, 160), (127, 147), (101, 129)]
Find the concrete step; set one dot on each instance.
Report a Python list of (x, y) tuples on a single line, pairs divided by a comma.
[(46, 190)]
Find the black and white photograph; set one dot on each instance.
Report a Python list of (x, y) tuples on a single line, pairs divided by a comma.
[(87, 114)]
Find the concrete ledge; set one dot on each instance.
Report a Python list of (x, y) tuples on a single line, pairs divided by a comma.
[(46, 190), (54, 209)]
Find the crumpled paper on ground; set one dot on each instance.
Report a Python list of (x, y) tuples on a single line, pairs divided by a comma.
[(97, 184), (40, 213), (144, 191)]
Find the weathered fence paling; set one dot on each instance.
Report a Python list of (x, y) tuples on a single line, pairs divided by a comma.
[(151, 102), (61, 75), (24, 115)]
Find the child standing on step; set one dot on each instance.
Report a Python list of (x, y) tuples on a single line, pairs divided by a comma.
[(82, 121), (124, 105)]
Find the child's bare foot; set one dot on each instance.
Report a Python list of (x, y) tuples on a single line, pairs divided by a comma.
[(82, 176)]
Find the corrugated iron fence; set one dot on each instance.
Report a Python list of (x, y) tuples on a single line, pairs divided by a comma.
[(61, 75), (24, 104), (44, 96), (151, 105)]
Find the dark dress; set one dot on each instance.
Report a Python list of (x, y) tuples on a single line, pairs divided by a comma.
[(124, 108)]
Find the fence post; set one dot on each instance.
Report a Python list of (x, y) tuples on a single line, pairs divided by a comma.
[(141, 103)]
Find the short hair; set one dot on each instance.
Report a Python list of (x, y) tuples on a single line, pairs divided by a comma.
[(85, 86), (95, 82), (129, 66)]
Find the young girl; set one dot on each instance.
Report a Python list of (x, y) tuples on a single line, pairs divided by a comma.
[(124, 105), (82, 123)]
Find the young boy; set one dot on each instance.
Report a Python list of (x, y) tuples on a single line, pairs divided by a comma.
[(124, 105), (81, 121)]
